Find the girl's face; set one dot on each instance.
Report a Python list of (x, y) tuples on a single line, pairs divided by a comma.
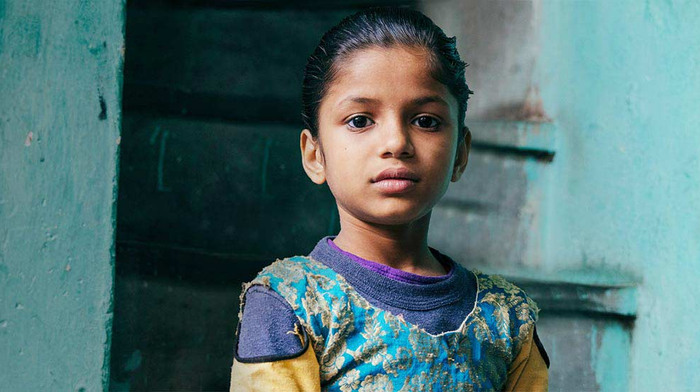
[(388, 138)]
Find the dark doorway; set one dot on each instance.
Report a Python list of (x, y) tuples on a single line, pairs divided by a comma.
[(211, 188)]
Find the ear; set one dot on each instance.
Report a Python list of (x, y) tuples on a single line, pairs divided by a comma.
[(462, 156), (311, 157)]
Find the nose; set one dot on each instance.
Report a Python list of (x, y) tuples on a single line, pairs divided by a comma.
[(396, 141)]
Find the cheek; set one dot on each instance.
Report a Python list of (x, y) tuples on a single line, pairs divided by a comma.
[(441, 153), (340, 163)]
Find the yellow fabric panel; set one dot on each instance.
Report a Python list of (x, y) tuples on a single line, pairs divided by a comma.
[(528, 372), (295, 374)]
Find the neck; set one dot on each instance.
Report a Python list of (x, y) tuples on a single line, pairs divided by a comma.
[(403, 247)]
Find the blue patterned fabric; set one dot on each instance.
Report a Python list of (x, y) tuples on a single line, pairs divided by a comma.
[(361, 347)]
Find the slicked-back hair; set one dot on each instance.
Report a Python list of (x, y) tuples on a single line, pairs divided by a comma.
[(382, 27)]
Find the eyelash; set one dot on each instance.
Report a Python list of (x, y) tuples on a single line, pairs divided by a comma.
[(438, 123)]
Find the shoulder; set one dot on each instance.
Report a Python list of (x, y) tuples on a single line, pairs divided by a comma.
[(510, 312), (500, 292), (290, 268), (296, 272), (307, 286), (267, 328), (270, 327)]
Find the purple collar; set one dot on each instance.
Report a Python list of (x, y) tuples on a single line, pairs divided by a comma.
[(395, 273), (440, 291)]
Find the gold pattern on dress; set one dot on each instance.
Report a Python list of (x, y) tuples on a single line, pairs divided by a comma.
[(288, 292), (287, 269), (374, 347), (350, 381), (443, 359), (394, 323), (324, 282), (333, 360), (424, 346), (341, 324), (403, 361), (298, 334), (376, 383)]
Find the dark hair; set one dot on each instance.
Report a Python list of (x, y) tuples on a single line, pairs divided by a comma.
[(382, 27)]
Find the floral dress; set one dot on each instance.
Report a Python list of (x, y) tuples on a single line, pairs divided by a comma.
[(359, 347)]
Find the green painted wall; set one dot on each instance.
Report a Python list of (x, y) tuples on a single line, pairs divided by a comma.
[(622, 81), (60, 93)]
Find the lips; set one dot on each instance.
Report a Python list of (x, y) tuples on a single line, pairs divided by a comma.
[(395, 181), (399, 173)]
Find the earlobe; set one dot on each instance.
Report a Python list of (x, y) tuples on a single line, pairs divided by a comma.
[(311, 157), (462, 156)]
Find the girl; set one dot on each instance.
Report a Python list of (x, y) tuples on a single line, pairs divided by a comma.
[(375, 308)]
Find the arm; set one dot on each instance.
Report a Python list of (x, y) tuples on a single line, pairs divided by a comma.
[(296, 374), (272, 352), (529, 370)]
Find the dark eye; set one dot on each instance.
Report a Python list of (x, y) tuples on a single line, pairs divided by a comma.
[(359, 122), (426, 122)]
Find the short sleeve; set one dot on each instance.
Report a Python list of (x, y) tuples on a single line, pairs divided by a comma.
[(268, 329), (540, 348), (529, 370)]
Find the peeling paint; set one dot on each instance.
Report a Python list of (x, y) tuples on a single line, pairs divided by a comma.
[(103, 108), (533, 108)]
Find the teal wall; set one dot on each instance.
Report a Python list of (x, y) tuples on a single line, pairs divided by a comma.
[(621, 79), (60, 93)]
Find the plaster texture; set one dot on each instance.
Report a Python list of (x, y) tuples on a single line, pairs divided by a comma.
[(60, 93), (621, 80)]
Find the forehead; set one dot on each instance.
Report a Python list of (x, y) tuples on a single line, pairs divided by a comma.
[(390, 76)]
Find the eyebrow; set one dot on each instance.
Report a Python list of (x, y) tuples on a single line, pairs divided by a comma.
[(416, 102)]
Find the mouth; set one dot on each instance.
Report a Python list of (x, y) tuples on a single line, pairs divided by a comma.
[(395, 180), (399, 173)]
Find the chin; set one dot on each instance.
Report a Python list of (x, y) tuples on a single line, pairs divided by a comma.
[(397, 215)]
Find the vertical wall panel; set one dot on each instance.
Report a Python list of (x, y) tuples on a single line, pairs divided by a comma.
[(621, 78), (60, 93), (502, 215)]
